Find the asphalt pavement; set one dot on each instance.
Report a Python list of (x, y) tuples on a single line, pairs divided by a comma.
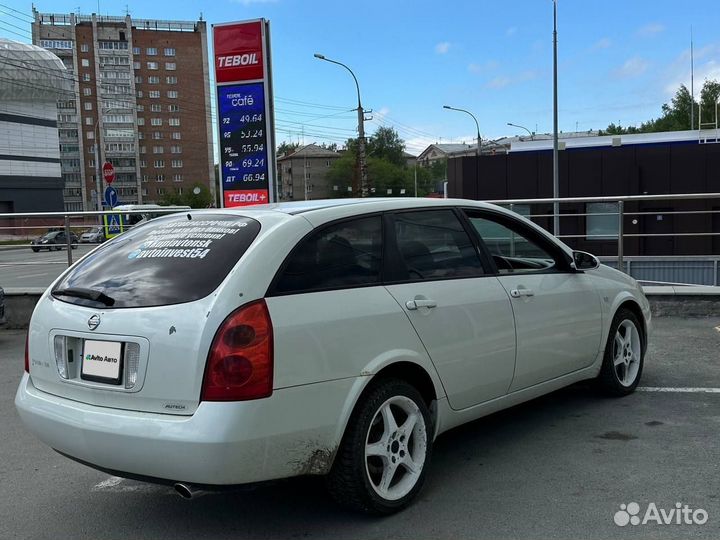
[(558, 467), (22, 268)]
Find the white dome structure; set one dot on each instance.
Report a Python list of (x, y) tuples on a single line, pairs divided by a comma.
[(31, 73)]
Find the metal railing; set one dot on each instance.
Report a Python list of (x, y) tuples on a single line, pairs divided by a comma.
[(25, 225)]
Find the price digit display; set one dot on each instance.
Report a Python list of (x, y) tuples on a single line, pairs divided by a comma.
[(243, 141)]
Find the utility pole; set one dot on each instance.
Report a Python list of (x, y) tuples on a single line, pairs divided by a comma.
[(477, 151), (692, 82), (556, 167), (364, 190)]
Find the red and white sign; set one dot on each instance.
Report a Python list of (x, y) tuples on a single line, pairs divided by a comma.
[(108, 172), (245, 197), (239, 52)]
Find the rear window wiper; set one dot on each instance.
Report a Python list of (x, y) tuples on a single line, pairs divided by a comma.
[(87, 294)]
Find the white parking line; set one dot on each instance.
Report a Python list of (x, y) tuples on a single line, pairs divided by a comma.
[(680, 390), (108, 484)]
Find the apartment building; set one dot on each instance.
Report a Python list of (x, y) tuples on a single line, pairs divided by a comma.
[(302, 174), (141, 101)]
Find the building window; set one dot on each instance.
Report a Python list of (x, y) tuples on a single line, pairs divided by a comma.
[(143, 163), (155, 107), (177, 177), (152, 65), (169, 51), (159, 177), (87, 105), (157, 135), (136, 65), (173, 94), (159, 164), (87, 91), (170, 66), (151, 51), (144, 177), (88, 121), (176, 163), (86, 77), (176, 135), (155, 94), (91, 163), (139, 93), (173, 108), (89, 135), (140, 108), (143, 150), (156, 121), (171, 80), (176, 149), (138, 79), (160, 191), (113, 45), (141, 121), (173, 121), (84, 47), (154, 80), (141, 135), (56, 44), (85, 62), (601, 223), (136, 50), (158, 149)]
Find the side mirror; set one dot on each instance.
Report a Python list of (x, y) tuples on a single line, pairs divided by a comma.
[(585, 261)]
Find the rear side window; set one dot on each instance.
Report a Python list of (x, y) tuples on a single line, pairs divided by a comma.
[(434, 245), (347, 254), (166, 261)]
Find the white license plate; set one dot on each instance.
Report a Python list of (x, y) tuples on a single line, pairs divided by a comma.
[(102, 361)]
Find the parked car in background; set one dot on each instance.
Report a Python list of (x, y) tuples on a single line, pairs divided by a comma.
[(3, 318), (334, 337), (55, 240), (94, 235)]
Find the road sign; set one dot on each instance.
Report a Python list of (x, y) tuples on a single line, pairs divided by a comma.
[(108, 172), (111, 197), (113, 225)]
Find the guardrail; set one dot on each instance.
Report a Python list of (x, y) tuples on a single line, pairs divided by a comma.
[(621, 213), (63, 220)]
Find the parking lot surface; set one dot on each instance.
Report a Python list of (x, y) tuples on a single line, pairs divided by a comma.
[(558, 467)]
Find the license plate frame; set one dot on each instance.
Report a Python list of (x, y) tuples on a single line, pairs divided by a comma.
[(102, 371)]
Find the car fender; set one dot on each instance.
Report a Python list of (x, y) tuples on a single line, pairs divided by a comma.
[(375, 366)]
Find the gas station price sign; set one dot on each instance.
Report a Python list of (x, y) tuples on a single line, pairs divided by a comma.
[(243, 143)]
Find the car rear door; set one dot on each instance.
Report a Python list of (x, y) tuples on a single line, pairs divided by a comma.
[(558, 318), (459, 310)]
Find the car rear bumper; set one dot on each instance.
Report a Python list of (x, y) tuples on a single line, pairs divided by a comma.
[(293, 432)]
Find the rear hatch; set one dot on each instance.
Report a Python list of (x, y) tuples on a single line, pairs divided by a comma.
[(125, 327)]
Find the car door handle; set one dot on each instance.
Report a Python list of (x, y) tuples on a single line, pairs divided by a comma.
[(415, 304), (521, 291)]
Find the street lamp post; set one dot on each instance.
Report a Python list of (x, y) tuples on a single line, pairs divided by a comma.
[(521, 127), (364, 188), (556, 165), (477, 126)]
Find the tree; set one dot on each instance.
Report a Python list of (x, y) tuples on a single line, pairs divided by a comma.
[(287, 148), (386, 144), (676, 114), (189, 198)]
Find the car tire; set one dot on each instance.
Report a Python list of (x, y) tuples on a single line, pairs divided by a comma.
[(624, 355), (381, 463), (35, 249)]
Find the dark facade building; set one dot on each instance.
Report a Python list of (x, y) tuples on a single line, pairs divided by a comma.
[(652, 164)]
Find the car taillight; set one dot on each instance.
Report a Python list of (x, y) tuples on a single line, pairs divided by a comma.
[(27, 354), (240, 362)]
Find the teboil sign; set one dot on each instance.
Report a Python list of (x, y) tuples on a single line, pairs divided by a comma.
[(245, 112)]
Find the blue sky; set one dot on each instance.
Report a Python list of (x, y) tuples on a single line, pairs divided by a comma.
[(620, 60)]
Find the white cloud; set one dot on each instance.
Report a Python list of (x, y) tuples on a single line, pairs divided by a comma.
[(482, 68), (706, 67), (502, 81), (603, 43), (631, 68), (511, 31), (442, 48), (383, 111), (650, 29)]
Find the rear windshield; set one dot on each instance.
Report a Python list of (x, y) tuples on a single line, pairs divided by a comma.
[(169, 260)]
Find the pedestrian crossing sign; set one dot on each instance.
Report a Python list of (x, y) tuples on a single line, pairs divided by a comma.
[(113, 225)]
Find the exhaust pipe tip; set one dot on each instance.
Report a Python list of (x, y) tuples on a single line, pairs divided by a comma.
[(184, 490)]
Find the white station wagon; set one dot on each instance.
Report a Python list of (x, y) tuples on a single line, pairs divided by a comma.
[(220, 347)]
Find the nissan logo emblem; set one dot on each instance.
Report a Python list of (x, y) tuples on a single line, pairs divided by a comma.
[(94, 322)]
